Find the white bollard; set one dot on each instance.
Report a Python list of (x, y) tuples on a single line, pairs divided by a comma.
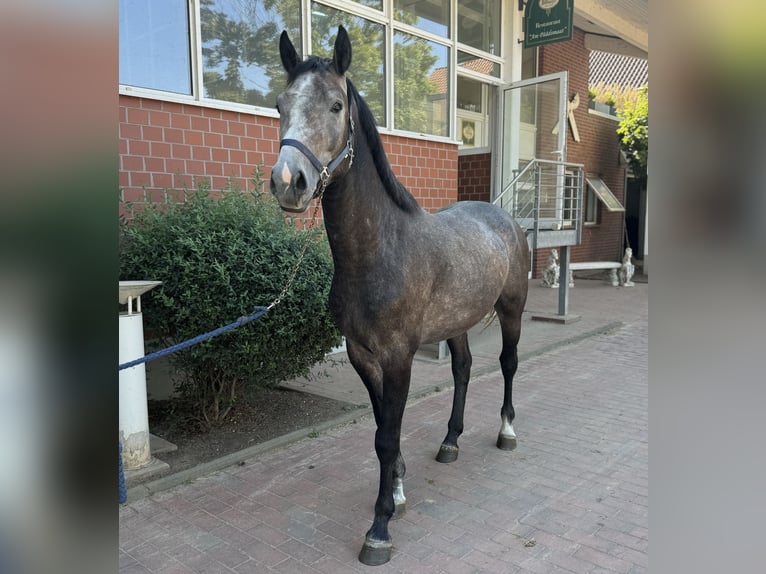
[(134, 414)]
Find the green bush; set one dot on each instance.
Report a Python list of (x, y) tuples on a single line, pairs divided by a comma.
[(219, 256), (634, 133)]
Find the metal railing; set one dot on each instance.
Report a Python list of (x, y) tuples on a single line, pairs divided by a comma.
[(546, 195)]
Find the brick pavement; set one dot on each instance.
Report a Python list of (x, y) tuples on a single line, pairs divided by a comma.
[(573, 497)]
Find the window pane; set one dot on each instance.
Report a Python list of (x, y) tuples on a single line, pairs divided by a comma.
[(591, 206), (471, 62), (154, 45), (377, 4), (529, 63), (368, 52), (432, 16), (478, 24), (240, 48), (421, 85), (469, 96)]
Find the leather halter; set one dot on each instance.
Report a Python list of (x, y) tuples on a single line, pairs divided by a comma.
[(326, 171)]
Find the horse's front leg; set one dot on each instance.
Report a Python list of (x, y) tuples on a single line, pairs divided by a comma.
[(388, 386), (461, 373)]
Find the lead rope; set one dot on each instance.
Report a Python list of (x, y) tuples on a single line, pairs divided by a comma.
[(306, 239)]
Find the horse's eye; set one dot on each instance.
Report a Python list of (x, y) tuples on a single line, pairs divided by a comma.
[(336, 107), (278, 110)]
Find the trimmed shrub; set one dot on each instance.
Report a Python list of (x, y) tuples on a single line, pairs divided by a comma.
[(219, 255)]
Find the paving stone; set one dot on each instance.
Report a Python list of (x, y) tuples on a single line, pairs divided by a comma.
[(572, 498)]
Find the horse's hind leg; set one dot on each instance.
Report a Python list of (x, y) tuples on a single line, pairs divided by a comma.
[(510, 325), (400, 502), (461, 371)]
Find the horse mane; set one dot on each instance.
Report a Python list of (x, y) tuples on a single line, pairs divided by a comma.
[(401, 196), (398, 193)]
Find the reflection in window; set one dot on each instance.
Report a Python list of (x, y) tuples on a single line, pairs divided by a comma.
[(377, 4), (368, 52), (591, 206), (240, 56), (472, 113), (430, 16), (529, 63), (478, 24), (421, 85), (469, 95), (475, 64), (154, 45)]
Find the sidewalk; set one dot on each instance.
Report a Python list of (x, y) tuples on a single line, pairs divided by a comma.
[(571, 498), (601, 308)]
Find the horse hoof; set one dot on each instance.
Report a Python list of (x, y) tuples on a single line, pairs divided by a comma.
[(375, 553), (506, 442), (447, 453), (399, 511)]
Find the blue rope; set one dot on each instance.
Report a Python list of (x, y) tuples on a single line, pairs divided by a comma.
[(198, 339), (123, 492)]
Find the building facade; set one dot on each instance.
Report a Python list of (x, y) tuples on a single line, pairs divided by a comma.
[(199, 78)]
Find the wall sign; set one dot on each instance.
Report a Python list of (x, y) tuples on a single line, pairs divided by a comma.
[(547, 21)]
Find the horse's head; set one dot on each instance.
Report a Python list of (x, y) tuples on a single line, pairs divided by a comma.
[(315, 124)]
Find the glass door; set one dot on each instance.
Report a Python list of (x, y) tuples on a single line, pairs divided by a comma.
[(533, 126)]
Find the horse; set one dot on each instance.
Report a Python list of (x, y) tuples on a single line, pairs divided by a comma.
[(402, 276)]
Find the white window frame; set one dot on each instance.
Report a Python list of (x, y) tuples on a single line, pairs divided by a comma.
[(386, 18), (591, 211)]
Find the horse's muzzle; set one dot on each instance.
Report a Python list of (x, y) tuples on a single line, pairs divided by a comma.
[(290, 188)]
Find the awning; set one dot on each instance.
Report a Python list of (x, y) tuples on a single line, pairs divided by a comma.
[(604, 193)]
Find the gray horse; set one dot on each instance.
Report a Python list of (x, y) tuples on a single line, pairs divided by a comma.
[(403, 276)]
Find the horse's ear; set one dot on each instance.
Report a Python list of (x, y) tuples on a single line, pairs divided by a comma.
[(341, 57), (287, 52)]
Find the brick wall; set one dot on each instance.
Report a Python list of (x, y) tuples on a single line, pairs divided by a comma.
[(598, 150), (166, 146), (474, 177)]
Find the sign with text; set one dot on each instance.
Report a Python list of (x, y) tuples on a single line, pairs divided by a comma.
[(547, 21)]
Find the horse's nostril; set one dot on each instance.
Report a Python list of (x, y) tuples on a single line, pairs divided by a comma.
[(300, 182)]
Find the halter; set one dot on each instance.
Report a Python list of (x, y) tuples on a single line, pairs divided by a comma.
[(326, 171)]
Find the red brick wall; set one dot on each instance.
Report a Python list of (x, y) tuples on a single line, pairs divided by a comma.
[(474, 177), (428, 169), (598, 150), (166, 145)]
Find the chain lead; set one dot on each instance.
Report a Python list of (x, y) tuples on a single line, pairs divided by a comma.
[(297, 265)]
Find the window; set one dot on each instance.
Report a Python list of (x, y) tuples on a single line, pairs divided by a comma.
[(226, 53), (154, 45), (377, 4), (421, 85), (472, 112), (598, 191), (529, 63), (432, 16), (466, 61), (240, 58), (591, 207), (478, 24), (368, 41)]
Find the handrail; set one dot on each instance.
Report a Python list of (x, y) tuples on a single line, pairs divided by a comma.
[(546, 195), (531, 164)]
